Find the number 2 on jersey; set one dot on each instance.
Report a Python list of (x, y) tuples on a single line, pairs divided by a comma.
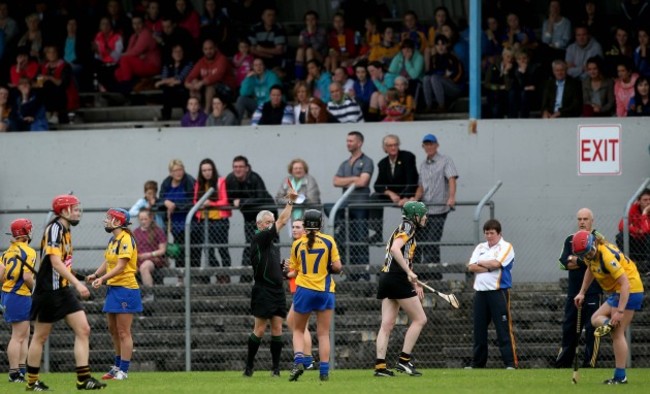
[(319, 255)]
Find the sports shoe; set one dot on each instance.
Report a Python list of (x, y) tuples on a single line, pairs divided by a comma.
[(603, 330), (275, 373), (408, 368), (310, 366), (37, 386), (616, 381), (295, 372), (90, 384), (110, 375), (248, 372), (121, 375), (384, 372), (324, 377), (17, 378)]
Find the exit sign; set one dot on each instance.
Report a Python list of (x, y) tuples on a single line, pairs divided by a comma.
[(599, 150)]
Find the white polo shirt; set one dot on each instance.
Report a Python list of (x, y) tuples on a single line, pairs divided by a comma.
[(498, 278)]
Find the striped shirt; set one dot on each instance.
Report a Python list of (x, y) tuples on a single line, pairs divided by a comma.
[(434, 179), (346, 111), (405, 231), (497, 279), (56, 242)]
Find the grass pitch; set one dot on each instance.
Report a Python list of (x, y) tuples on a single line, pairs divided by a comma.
[(522, 381)]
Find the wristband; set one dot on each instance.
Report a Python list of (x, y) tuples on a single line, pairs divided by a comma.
[(289, 202)]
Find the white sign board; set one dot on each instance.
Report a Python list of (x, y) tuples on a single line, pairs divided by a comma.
[(599, 150)]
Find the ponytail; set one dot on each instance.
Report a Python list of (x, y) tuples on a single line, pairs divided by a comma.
[(311, 238)]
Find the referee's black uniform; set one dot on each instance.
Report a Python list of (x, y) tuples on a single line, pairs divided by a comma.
[(592, 302)]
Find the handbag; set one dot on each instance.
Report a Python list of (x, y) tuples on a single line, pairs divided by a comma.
[(174, 250)]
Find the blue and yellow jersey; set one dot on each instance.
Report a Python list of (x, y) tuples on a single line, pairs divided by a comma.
[(609, 264), (18, 260), (313, 265), (122, 246), (58, 242), (405, 231)]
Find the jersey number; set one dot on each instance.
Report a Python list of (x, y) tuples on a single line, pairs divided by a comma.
[(14, 263), (319, 255)]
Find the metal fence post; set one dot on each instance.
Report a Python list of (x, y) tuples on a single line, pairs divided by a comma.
[(479, 207), (188, 305)]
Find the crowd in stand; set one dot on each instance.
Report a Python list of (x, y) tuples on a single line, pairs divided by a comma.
[(234, 58)]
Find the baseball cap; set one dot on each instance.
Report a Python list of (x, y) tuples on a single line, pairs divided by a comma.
[(430, 138), (582, 242)]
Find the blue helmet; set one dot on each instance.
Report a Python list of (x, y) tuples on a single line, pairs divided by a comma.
[(120, 215)]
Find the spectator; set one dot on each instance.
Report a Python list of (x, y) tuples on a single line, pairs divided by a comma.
[(371, 38), (457, 45), (304, 184), (413, 31), (639, 226), (641, 54), (491, 39), (518, 36), (397, 180), (32, 38), (441, 17), (76, 52), (152, 246), (562, 95), (342, 107), (218, 218), (247, 192), (624, 86), (382, 81), (318, 112), (141, 58), (497, 81), (620, 50), (269, 40), (319, 80), (153, 20), (522, 83), (595, 21), (409, 64), (149, 201), (194, 116), (211, 74), (175, 199), (275, 111), (172, 82), (597, 91), (404, 103), (582, 49), (492, 262), (216, 24), (243, 61), (443, 80), (634, 13), (118, 19), (387, 48), (223, 113), (59, 93), (556, 33), (340, 76), (24, 68), (640, 103), (173, 35), (7, 23), (577, 269), (255, 89), (30, 111), (356, 170), (341, 43), (108, 47), (187, 18), (6, 111), (362, 88), (302, 96), (312, 44), (436, 188), (245, 14)]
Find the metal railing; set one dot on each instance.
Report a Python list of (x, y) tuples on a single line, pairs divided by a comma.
[(477, 212)]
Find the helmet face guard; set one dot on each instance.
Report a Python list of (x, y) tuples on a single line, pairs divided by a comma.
[(582, 243), (68, 207), (116, 218), (414, 211), (21, 228)]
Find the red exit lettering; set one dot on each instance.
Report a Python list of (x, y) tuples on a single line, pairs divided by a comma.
[(598, 150)]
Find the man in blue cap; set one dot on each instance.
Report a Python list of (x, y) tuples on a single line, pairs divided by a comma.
[(436, 185)]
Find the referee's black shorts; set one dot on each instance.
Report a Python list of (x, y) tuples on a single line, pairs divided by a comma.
[(267, 302), (395, 286), (52, 306)]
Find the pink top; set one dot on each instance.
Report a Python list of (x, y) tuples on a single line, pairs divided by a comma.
[(623, 93), (221, 201), (144, 46), (245, 64)]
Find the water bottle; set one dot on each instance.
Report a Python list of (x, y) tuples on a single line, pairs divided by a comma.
[(95, 83)]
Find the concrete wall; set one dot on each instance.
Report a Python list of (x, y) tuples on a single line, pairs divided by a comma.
[(535, 159)]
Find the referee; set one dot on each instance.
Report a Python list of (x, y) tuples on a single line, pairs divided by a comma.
[(268, 302)]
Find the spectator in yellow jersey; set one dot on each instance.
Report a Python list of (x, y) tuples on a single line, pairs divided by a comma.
[(53, 298), (123, 298), (398, 289), (314, 257), (17, 280), (617, 275)]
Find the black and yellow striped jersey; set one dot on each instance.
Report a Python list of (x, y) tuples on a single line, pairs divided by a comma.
[(405, 231), (56, 241)]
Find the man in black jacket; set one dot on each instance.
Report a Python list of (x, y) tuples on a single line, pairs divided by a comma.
[(396, 182), (247, 191)]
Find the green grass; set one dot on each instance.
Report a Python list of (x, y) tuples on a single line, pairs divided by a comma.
[(361, 381)]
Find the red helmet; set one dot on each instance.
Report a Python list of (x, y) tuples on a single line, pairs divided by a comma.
[(583, 242), (62, 202), (21, 228), (121, 216)]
